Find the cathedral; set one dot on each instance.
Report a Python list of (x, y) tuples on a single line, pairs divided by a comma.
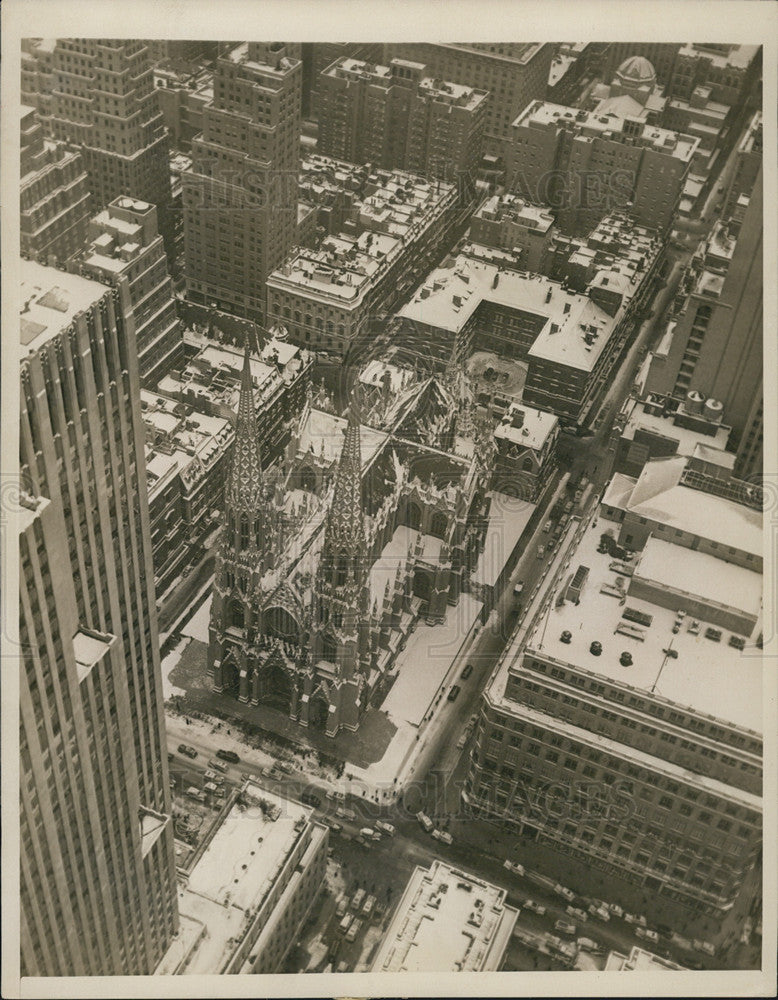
[(369, 526)]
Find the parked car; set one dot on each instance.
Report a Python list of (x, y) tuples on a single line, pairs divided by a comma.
[(345, 923), (340, 909), (541, 551), (367, 906), (548, 526), (454, 692), (310, 799), (217, 764), (425, 821), (228, 755), (187, 751), (646, 934), (573, 911), (632, 918), (345, 813), (562, 890), (443, 836), (357, 899), (565, 927), (213, 776), (615, 909), (704, 946), (283, 765), (385, 827), (533, 907), (335, 827), (461, 741), (600, 911), (467, 671), (513, 867), (586, 944), (518, 588), (352, 932), (195, 793)]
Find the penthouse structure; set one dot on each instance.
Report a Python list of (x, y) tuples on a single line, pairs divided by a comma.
[(447, 921), (328, 297), (511, 223), (400, 116), (712, 349), (591, 164), (124, 243), (568, 340), (103, 102), (54, 198), (514, 74), (623, 724), (98, 893), (249, 923), (185, 468), (240, 196), (210, 381)]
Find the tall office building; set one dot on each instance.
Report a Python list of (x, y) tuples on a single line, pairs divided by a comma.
[(399, 116), (124, 242), (240, 197), (317, 56), (514, 74), (102, 100), (54, 197), (713, 347), (98, 887)]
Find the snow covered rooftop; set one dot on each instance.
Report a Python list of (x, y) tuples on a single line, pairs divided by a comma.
[(708, 676), (533, 431), (640, 418), (49, 299), (447, 921)]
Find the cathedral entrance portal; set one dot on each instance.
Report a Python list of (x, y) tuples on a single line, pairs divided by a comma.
[(319, 711), (421, 585), (276, 688), (230, 678)]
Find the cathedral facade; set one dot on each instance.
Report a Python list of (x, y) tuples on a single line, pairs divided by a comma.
[(368, 527)]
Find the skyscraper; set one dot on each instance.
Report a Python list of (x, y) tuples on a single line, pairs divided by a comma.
[(103, 100), (240, 197), (98, 890)]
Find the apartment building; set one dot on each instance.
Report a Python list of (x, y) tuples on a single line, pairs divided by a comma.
[(328, 298), (728, 70), (585, 165), (748, 162), (511, 223), (240, 195), (186, 462), (249, 922), (54, 199), (183, 96), (400, 116), (623, 724), (98, 891), (317, 56), (514, 74), (124, 243), (102, 101)]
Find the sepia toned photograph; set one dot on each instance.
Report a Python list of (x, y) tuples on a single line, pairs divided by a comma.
[(388, 502)]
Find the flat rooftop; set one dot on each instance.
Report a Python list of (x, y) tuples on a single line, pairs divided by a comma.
[(638, 960), (49, 300), (512, 208), (659, 495), (238, 870), (451, 294), (447, 921), (543, 113), (526, 426), (708, 677), (688, 440)]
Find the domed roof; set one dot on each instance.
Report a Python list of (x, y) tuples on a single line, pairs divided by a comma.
[(637, 70)]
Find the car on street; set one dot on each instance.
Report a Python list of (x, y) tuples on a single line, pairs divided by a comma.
[(646, 934), (748, 930), (632, 918), (216, 765), (310, 799), (454, 692), (187, 751), (518, 588), (213, 776), (599, 911), (367, 906), (562, 890), (335, 827), (548, 526), (541, 551), (228, 755), (356, 927), (443, 836), (345, 923), (345, 813), (425, 821), (573, 911), (513, 867), (342, 906), (357, 899), (704, 946), (283, 765), (615, 909), (461, 741), (533, 907), (586, 944), (665, 929), (385, 827), (565, 927), (195, 793), (467, 671)]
